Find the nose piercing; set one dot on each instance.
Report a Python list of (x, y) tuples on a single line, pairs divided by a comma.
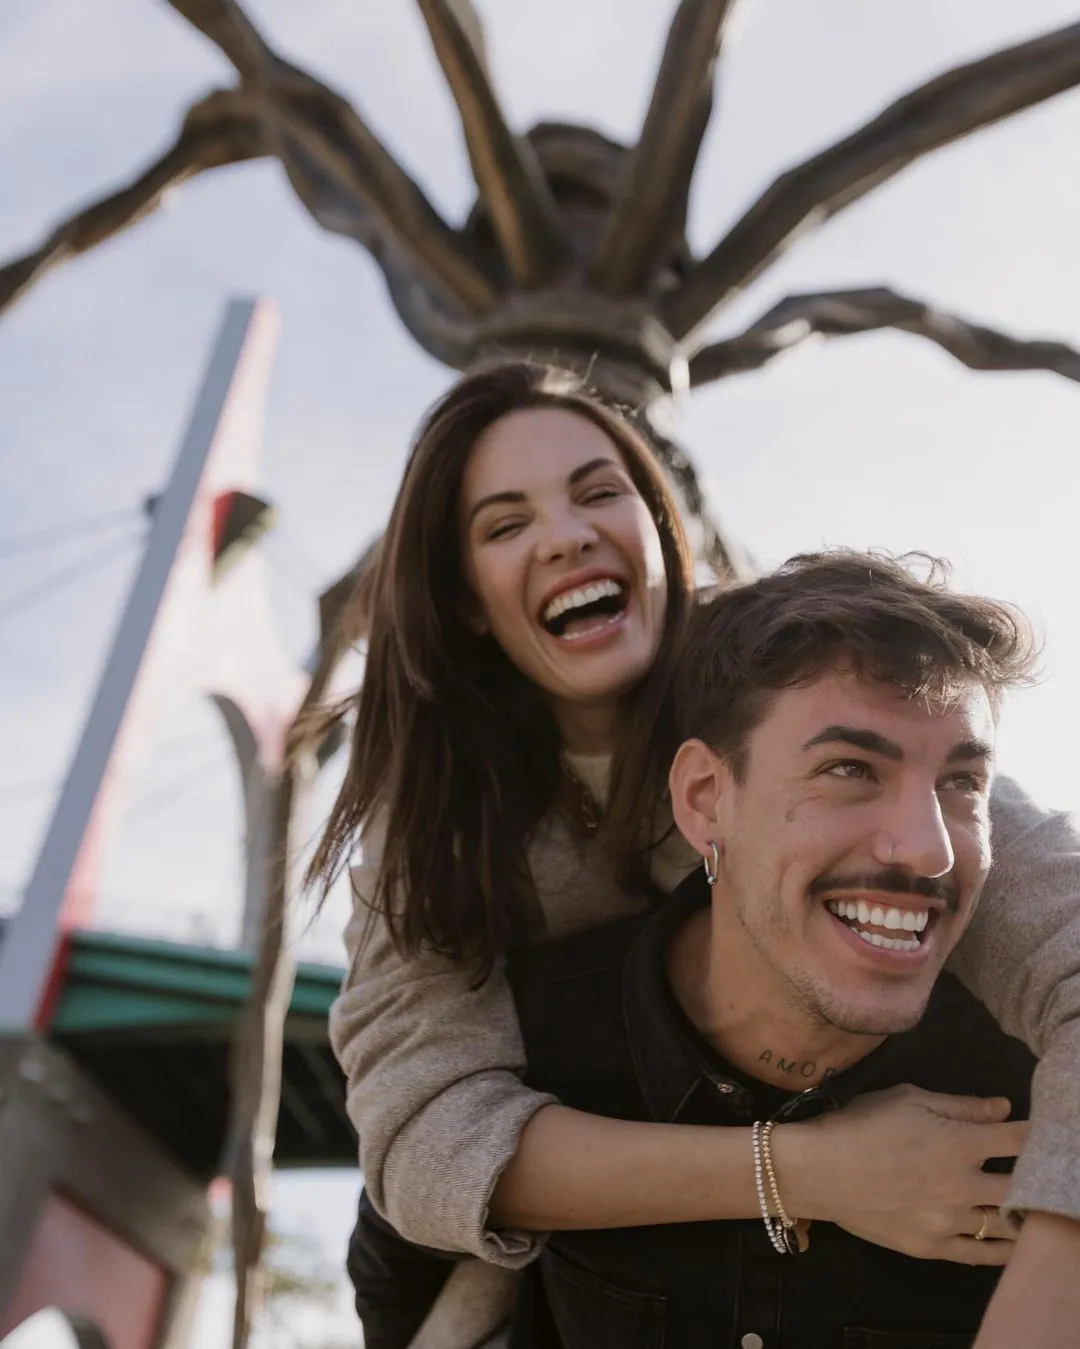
[(712, 871)]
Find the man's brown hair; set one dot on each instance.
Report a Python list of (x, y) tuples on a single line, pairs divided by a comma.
[(888, 620)]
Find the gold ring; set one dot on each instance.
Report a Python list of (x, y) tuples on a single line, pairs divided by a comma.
[(980, 1235)]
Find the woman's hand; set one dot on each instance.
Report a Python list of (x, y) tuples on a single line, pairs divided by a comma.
[(903, 1168)]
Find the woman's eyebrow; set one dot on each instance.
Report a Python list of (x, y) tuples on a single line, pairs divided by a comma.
[(496, 499), (583, 470), (516, 498)]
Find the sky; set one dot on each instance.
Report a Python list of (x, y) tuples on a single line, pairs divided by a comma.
[(871, 441)]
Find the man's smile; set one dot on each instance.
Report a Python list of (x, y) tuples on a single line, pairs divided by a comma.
[(880, 925)]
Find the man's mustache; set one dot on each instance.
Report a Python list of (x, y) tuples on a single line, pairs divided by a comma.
[(894, 880)]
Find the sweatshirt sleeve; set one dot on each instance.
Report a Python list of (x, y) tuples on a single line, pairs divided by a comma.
[(1021, 957), (434, 1087)]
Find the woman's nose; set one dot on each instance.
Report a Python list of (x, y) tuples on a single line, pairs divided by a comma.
[(566, 536)]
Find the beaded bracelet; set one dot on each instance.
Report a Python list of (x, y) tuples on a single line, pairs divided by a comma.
[(794, 1232), (773, 1226)]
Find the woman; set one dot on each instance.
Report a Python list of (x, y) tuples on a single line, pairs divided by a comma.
[(507, 786)]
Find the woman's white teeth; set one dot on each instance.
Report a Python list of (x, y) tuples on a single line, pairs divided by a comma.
[(591, 629), (577, 599), (858, 911)]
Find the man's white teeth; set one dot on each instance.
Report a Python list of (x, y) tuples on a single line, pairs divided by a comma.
[(889, 943), (577, 599), (858, 911)]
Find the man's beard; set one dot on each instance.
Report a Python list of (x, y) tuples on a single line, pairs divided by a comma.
[(813, 994)]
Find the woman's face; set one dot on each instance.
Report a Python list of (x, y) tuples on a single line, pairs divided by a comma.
[(563, 558)]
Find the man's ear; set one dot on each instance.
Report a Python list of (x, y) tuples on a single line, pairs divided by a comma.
[(696, 782)]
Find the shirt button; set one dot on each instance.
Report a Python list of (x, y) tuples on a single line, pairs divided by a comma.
[(725, 1089), (752, 1341)]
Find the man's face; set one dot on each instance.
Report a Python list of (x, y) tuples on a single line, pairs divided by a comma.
[(855, 845)]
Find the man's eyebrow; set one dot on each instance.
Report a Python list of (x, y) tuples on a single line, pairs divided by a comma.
[(871, 741), (516, 498), (874, 743), (970, 749)]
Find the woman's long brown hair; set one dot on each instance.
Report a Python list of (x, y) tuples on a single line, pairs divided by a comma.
[(455, 754)]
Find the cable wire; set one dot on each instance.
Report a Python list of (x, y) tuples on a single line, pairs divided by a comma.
[(284, 566), (72, 572), (178, 749), (165, 796), (60, 534), (297, 550)]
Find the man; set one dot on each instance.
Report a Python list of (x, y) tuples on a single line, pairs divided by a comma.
[(838, 722)]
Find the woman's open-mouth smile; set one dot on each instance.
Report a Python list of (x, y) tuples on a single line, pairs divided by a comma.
[(587, 611)]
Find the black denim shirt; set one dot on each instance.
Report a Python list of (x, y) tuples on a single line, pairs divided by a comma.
[(603, 1030)]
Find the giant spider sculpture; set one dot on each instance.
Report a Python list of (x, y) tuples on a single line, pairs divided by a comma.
[(576, 245), (575, 248)]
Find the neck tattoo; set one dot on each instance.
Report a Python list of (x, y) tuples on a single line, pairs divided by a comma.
[(805, 1070)]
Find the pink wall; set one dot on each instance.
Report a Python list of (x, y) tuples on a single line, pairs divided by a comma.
[(80, 1267)]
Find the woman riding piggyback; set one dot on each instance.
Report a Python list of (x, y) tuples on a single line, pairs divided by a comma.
[(507, 784)]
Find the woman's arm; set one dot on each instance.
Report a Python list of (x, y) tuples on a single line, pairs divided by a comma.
[(901, 1168), (449, 1131), (1021, 957), (1037, 1302), (434, 1090)]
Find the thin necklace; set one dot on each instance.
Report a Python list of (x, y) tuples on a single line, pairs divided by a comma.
[(586, 811)]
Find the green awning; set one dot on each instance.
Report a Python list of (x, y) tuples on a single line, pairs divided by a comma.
[(152, 1022), (115, 981)]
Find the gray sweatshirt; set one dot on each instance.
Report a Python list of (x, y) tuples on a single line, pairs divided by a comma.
[(433, 1066)]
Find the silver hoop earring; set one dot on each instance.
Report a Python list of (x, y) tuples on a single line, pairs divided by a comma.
[(712, 872)]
